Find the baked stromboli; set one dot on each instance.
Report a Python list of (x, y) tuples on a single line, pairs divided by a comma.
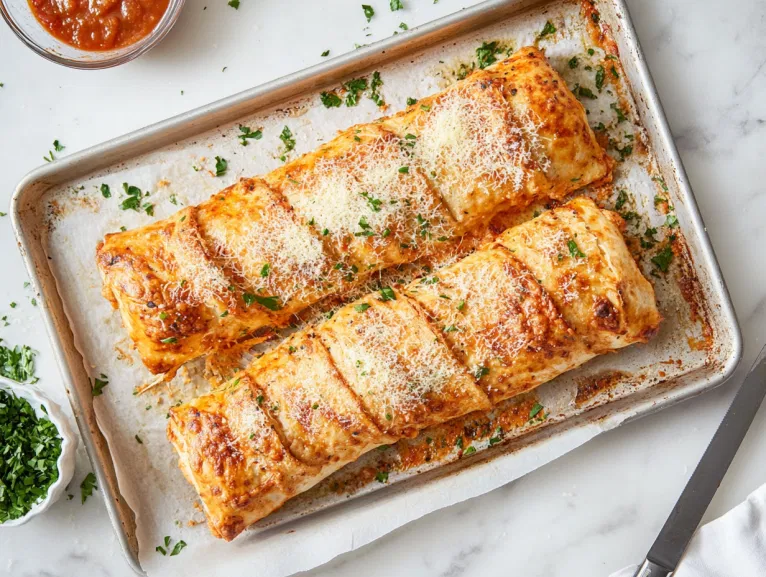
[(375, 196), (545, 297)]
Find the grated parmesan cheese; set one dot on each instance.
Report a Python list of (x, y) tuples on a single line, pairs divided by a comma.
[(276, 240), (373, 194), (200, 279), (483, 304), (468, 141), (400, 382), (247, 422)]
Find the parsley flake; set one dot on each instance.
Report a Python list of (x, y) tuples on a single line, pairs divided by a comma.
[(87, 486), (98, 385), (574, 250), (246, 133), (221, 166), (663, 259), (330, 100), (288, 140), (548, 29), (387, 294)]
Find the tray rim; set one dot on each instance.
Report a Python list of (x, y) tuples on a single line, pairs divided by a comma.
[(205, 117)]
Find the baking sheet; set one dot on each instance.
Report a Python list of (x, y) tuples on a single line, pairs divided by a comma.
[(78, 216)]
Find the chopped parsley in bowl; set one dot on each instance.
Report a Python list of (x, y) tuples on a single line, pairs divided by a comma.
[(36, 453)]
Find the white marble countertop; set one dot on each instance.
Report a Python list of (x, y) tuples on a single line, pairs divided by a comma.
[(592, 511)]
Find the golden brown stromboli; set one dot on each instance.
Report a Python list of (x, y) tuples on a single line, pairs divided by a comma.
[(377, 195), (545, 297)]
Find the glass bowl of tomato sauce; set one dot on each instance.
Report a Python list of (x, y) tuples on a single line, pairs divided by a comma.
[(91, 34)]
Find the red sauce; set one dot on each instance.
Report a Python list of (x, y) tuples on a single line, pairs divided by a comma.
[(99, 24)]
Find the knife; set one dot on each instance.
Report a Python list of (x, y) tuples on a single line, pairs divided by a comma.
[(668, 548)]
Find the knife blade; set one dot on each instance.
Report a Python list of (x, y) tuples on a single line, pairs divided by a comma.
[(669, 547)]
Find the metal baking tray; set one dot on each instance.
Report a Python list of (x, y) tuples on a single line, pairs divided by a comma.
[(28, 215)]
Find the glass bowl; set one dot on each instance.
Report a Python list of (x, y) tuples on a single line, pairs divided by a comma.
[(18, 14)]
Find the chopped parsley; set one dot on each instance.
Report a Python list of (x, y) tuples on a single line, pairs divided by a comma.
[(375, 84), (663, 259), (361, 307), (234, 4), (396, 5), (573, 62), (265, 269), (585, 92), (661, 181), (671, 221), (600, 75), (288, 140), (133, 201), (374, 203), (369, 11), (486, 54), (105, 191), (169, 341), (404, 169), (30, 451), (245, 133), (221, 166), (480, 372), (271, 302), (469, 451), (411, 101), (622, 198), (18, 363), (403, 26), (87, 486), (163, 549), (330, 100), (57, 146), (382, 477), (648, 240), (574, 250), (548, 29), (366, 228), (625, 151), (535, 411), (387, 294), (620, 114), (98, 385), (178, 548), (325, 53), (353, 88)]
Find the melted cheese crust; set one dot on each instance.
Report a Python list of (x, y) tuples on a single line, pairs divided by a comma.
[(487, 328), (377, 195)]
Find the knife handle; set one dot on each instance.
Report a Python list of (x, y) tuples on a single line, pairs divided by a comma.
[(649, 569)]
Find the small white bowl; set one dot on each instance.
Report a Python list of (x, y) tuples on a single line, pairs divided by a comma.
[(65, 461)]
